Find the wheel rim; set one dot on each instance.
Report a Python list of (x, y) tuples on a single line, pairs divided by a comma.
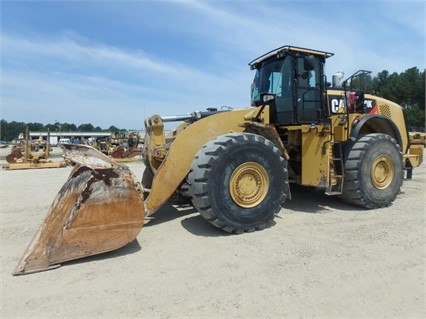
[(249, 184), (382, 172)]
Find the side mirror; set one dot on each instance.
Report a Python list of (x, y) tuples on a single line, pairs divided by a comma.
[(266, 97), (309, 63)]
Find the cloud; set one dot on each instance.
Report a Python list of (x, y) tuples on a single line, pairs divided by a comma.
[(141, 58), (74, 77), (77, 49), (363, 35)]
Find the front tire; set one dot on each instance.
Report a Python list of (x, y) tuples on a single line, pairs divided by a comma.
[(238, 182), (373, 172)]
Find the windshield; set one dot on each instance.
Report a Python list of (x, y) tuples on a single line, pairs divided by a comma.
[(273, 78)]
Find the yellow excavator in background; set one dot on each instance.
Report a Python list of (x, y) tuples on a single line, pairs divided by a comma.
[(236, 166)]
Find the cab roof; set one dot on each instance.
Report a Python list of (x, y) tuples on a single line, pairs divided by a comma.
[(290, 48)]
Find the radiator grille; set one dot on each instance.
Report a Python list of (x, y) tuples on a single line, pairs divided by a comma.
[(385, 110)]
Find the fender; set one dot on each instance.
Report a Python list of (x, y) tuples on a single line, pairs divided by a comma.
[(376, 124)]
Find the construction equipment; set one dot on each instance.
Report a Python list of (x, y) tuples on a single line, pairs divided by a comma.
[(27, 155), (121, 146), (126, 147), (236, 165), (103, 144), (418, 138)]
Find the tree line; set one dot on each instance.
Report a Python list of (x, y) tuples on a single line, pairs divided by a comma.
[(406, 89), (11, 130)]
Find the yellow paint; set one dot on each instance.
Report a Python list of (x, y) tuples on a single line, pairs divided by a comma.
[(183, 150)]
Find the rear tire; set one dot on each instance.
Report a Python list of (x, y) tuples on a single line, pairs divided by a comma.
[(238, 181), (373, 172)]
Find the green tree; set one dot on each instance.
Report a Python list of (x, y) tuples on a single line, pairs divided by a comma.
[(380, 81), (113, 129), (406, 89), (13, 129), (415, 117), (67, 127), (3, 130), (86, 127), (409, 84), (35, 127)]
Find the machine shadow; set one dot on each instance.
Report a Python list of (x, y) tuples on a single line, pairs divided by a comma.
[(198, 226), (168, 212), (314, 201), (192, 221), (194, 224), (304, 200)]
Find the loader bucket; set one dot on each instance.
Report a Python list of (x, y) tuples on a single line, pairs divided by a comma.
[(120, 152), (15, 156), (98, 209)]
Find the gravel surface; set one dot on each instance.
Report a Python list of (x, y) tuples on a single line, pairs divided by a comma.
[(321, 258)]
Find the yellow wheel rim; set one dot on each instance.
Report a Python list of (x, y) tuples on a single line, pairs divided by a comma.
[(249, 184), (382, 172)]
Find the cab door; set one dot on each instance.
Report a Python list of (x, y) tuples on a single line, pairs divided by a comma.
[(309, 92)]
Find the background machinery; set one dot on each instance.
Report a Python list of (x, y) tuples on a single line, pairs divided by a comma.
[(236, 166), (126, 147), (31, 154), (121, 146)]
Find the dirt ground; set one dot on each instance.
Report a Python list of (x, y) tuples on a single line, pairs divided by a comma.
[(322, 258)]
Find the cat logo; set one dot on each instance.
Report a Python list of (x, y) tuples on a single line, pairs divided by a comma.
[(338, 105)]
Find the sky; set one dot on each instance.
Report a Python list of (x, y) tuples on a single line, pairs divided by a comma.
[(118, 62)]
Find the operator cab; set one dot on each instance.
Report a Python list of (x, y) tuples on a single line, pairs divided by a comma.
[(295, 78)]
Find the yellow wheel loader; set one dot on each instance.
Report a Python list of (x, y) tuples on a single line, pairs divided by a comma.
[(236, 166)]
